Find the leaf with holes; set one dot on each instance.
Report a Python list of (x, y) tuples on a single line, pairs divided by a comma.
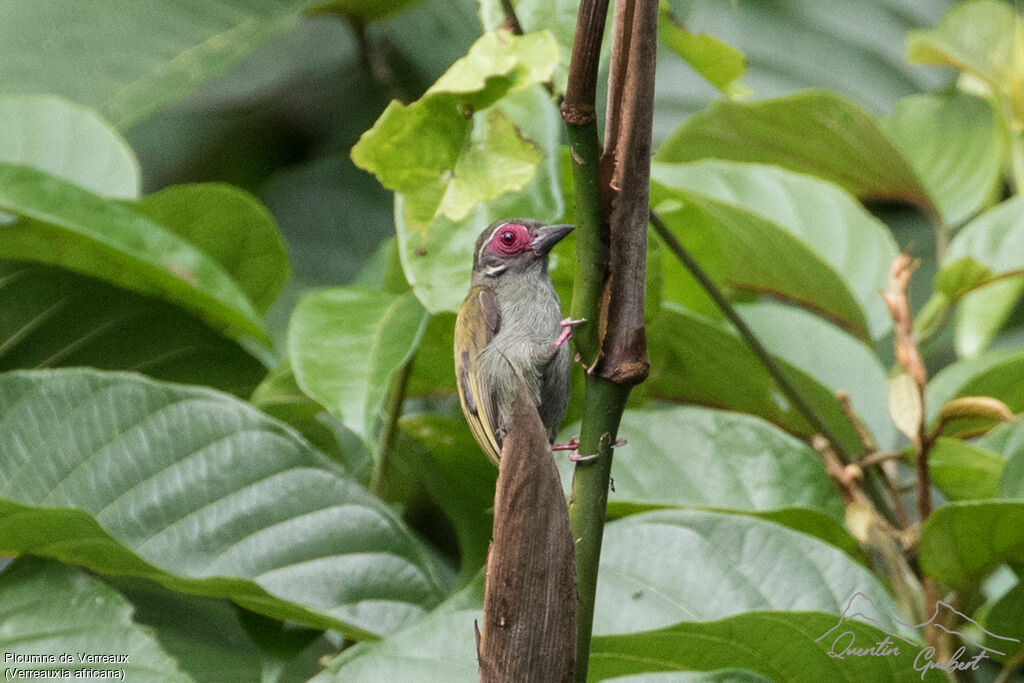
[(202, 493), (440, 157)]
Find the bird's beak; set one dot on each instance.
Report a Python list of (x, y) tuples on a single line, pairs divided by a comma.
[(549, 236)]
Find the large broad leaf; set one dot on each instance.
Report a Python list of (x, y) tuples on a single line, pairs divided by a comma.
[(783, 646), (955, 147), (432, 153), (813, 132), (697, 360), (67, 141), (438, 649), (715, 469), (217, 642), (438, 257), (202, 493), (995, 373), (1003, 622), (961, 543), (790, 45), (50, 610), (716, 676), (982, 38), (963, 471), (695, 457), (50, 318), (827, 223), (229, 225), (345, 344), (710, 565), (164, 49), (62, 224)]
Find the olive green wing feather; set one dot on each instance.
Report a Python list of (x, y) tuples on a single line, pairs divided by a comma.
[(478, 321)]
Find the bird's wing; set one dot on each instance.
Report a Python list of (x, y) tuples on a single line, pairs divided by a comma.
[(470, 340)]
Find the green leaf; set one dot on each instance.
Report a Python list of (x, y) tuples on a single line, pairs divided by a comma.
[(1004, 620), (994, 373), (905, 406), (813, 132), (961, 543), (980, 38), (718, 63), (62, 224), (49, 609), (203, 494), (437, 257), (727, 460), (344, 344), (779, 645), (697, 360), (460, 479), (991, 246), (433, 371), (279, 396), (438, 649), (1011, 483), (731, 564), (163, 52), (70, 142), (232, 227), (982, 313), (556, 16), (51, 318), (954, 146), (442, 159), (716, 676), (217, 642), (365, 10), (766, 230), (963, 471)]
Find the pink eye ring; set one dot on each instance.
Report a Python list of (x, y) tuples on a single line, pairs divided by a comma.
[(509, 239)]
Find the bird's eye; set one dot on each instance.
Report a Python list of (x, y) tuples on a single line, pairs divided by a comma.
[(508, 237)]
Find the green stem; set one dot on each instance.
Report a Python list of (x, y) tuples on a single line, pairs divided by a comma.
[(392, 411), (766, 358), (591, 252), (603, 405)]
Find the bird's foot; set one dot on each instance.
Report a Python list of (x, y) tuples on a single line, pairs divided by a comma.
[(567, 325), (573, 447)]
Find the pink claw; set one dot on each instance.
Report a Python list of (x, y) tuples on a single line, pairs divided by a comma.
[(567, 325), (574, 444)]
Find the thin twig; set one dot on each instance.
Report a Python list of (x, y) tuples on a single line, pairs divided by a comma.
[(511, 19), (392, 411), (909, 357), (765, 356)]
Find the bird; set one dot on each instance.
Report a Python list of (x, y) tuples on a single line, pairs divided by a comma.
[(510, 326)]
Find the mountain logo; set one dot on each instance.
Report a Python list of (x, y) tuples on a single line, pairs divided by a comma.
[(896, 630)]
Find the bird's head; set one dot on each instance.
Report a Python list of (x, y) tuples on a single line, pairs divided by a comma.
[(515, 245)]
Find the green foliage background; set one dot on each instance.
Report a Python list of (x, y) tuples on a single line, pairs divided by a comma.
[(233, 236)]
